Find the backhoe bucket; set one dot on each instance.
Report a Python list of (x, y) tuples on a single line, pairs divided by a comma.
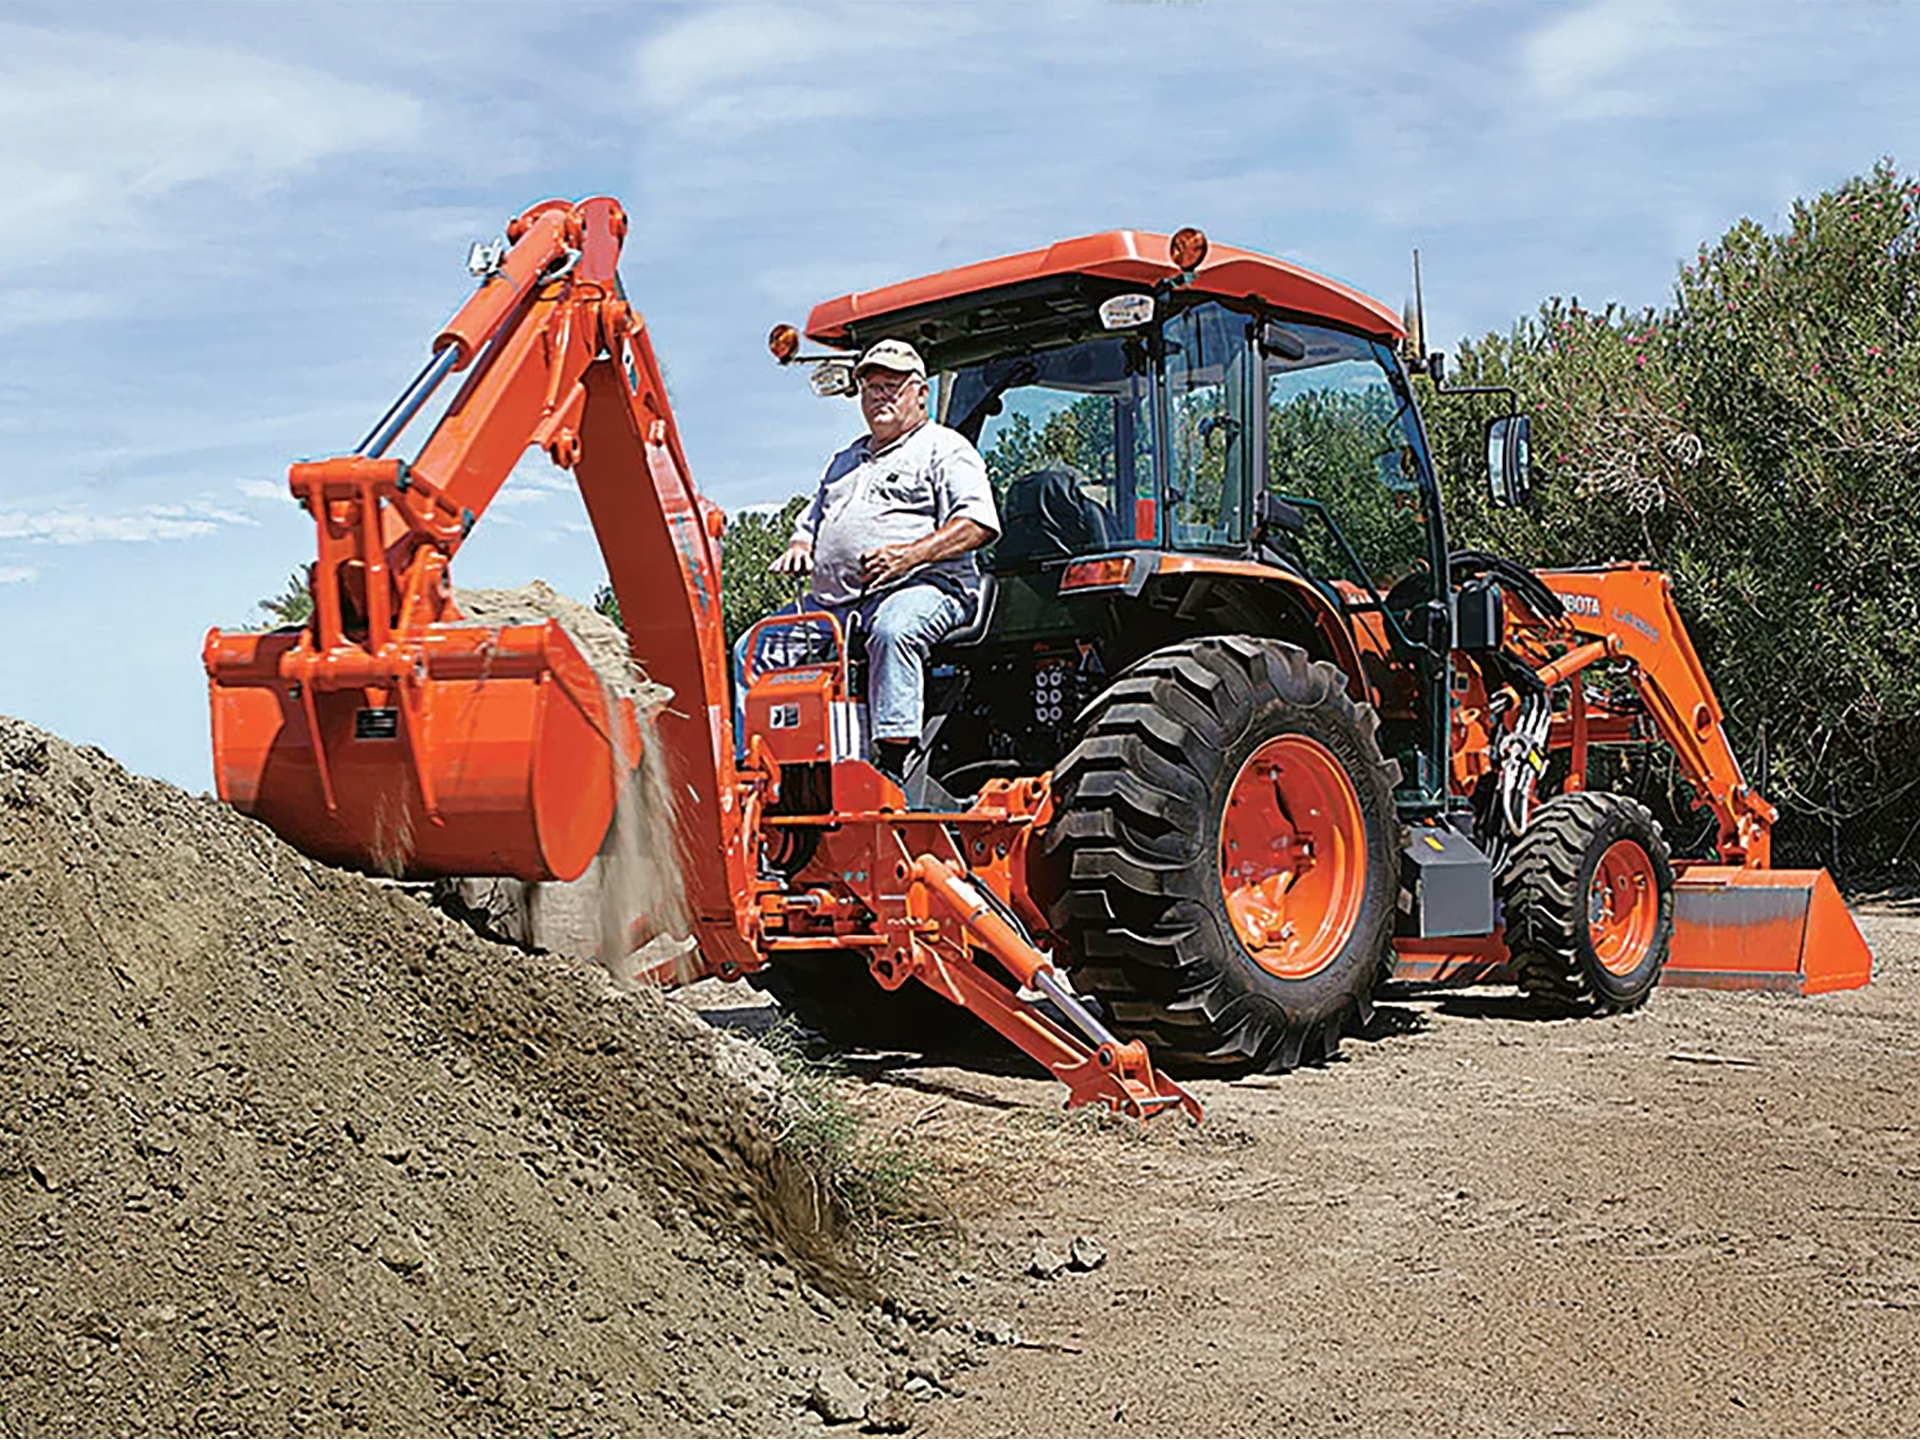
[(1788, 930), (468, 751)]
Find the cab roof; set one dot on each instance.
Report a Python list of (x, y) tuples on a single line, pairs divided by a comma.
[(1132, 256)]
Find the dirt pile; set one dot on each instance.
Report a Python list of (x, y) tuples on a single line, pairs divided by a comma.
[(638, 878), (285, 1150)]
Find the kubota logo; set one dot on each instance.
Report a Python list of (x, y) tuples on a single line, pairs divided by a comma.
[(1580, 604)]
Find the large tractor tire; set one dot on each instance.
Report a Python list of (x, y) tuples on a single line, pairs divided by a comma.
[(832, 993), (1588, 902), (1224, 855)]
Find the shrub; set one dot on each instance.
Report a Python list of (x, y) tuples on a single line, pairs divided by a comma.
[(1759, 438)]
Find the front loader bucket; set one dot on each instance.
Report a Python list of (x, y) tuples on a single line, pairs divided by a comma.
[(1789, 930), (494, 752)]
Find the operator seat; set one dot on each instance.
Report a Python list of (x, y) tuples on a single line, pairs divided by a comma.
[(975, 629), (1047, 516)]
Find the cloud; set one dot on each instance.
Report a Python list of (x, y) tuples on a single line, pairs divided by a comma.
[(145, 524), (518, 497), (719, 51), (1611, 61), (732, 70), (18, 574), (264, 489), (92, 125), (35, 307)]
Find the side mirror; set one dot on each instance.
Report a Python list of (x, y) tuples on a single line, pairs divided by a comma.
[(1508, 475)]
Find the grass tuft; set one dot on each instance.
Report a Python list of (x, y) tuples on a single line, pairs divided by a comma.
[(869, 1179)]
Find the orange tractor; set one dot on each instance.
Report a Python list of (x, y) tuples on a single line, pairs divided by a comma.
[(1233, 738)]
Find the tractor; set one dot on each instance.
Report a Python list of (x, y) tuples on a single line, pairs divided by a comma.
[(1233, 738)]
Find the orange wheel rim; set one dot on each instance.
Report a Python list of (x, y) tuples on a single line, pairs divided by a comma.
[(1623, 907), (1293, 847)]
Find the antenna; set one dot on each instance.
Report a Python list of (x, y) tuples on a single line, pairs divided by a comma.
[(1419, 309)]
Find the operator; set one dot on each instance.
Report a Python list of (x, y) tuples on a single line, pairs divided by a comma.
[(890, 537)]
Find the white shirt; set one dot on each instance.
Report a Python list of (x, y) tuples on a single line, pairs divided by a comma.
[(899, 493)]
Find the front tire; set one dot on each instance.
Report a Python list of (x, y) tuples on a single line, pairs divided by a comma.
[(1588, 902), (1222, 864)]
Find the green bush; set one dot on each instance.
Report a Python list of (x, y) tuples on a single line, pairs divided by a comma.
[(1758, 438), (748, 545)]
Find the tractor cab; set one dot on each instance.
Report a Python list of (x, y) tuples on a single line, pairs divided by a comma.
[(1180, 444)]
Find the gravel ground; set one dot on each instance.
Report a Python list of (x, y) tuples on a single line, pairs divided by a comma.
[(1697, 1219)]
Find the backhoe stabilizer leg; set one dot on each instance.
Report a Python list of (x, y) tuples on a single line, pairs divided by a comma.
[(1096, 1067)]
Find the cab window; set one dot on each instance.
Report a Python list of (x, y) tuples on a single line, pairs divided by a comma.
[(1067, 436), (1209, 440), (1339, 435)]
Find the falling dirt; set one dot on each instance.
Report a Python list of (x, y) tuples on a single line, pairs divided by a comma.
[(634, 890), (285, 1150)]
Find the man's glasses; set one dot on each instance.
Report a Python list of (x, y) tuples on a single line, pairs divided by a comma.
[(871, 384)]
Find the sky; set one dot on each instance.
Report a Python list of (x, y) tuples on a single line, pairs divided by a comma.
[(233, 230)]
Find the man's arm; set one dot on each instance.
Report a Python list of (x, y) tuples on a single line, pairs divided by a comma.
[(797, 558), (887, 563)]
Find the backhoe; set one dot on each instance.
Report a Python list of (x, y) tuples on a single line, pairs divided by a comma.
[(1234, 738)]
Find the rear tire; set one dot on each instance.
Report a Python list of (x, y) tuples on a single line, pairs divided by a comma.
[(1204, 775), (1588, 902)]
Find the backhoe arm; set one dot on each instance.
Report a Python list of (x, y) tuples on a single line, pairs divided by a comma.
[(503, 735)]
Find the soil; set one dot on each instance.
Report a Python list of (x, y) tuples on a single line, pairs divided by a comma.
[(285, 1150), (1699, 1218)]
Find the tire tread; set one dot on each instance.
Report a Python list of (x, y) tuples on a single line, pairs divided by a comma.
[(1128, 887)]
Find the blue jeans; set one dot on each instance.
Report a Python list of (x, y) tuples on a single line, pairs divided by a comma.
[(901, 627)]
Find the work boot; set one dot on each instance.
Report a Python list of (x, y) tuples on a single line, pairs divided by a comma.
[(890, 758)]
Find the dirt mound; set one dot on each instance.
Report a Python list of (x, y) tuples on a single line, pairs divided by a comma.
[(286, 1150)]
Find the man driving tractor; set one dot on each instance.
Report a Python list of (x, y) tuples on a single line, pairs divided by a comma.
[(890, 538)]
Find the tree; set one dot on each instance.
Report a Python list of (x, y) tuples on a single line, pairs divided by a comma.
[(749, 544), (292, 605), (1759, 438)]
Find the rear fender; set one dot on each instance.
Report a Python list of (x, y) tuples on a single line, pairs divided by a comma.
[(1288, 606)]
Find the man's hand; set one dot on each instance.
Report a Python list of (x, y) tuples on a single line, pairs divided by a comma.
[(796, 559), (885, 564)]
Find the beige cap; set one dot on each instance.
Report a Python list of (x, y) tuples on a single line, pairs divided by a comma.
[(895, 355)]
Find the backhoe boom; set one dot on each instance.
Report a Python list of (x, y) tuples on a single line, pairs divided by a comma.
[(493, 773)]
